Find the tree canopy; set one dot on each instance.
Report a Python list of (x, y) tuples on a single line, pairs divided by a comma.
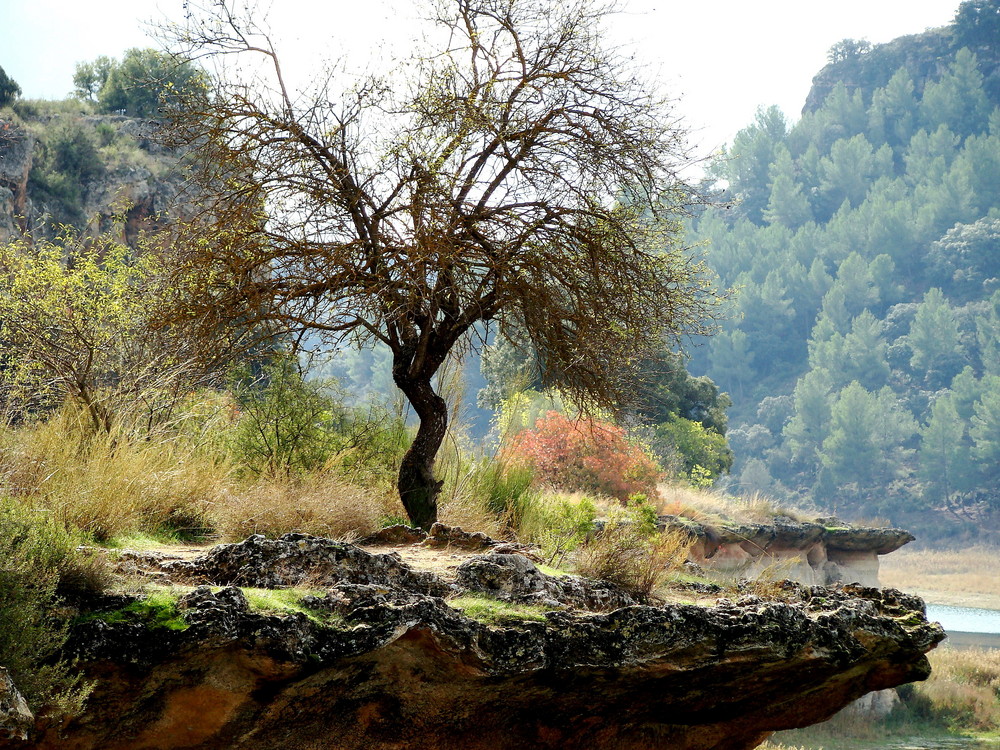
[(864, 244), (521, 174), (9, 90), (138, 85)]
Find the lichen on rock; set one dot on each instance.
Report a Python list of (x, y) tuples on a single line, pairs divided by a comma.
[(399, 667)]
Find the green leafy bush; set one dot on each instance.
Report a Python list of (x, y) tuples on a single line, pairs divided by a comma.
[(287, 425), (701, 453), (558, 524), (39, 569)]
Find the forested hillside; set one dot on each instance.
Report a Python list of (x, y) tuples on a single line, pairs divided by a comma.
[(863, 350)]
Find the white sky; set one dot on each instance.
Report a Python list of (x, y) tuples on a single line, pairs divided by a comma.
[(722, 58)]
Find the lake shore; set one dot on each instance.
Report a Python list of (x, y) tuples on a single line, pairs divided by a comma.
[(967, 577), (959, 640)]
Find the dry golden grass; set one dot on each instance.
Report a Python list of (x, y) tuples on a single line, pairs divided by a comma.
[(323, 505), (964, 687), (105, 486), (623, 555), (469, 512), (170, 484), (712, 508), (961, 696), (964, 577)]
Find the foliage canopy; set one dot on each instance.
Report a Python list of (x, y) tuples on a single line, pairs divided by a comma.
[(522, 173)]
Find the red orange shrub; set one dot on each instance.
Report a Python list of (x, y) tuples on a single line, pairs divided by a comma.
[(586, 455)]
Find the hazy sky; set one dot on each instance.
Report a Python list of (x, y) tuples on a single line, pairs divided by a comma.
[(722, 58)]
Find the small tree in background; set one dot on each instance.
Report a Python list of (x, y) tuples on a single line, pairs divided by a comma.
[(287, 425), (80, 319), (9, 90), (140, 85)]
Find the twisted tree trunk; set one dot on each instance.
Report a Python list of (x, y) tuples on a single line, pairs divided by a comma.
[(418, 489)]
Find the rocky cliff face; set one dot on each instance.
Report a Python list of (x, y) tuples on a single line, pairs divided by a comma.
[(387, 662), (142, 176), (16, 152), (925, 56)]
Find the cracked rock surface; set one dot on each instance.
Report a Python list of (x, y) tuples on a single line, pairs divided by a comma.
[(387, 663)]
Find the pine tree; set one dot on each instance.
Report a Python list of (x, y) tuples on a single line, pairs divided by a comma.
[(937, 353), (943, 459), (788, 204), (807, 429), (892, 114), (985, 431), (958, 99)]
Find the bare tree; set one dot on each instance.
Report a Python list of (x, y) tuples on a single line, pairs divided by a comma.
[(521, 174)]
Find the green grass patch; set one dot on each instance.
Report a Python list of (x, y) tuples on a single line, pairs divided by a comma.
[(289, 601), (158, 610), (495, 612), (150, 539), (554, 572)]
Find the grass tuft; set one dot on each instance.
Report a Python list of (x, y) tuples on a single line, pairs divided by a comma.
[(495, 612), (323, 504)]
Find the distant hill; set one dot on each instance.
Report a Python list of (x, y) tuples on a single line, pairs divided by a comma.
[(924, 56), (863, 350)]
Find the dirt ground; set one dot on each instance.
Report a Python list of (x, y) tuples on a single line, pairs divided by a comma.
[(443, 561)]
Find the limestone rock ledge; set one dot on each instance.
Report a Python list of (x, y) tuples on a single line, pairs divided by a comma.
[(821, 552), (402, 669)]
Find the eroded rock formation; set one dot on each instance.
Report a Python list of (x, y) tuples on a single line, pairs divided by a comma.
[(814, 553), (387, 664), (16, 149)]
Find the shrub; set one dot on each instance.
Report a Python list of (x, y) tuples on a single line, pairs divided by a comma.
[(638, 563), (68, 158), (287, 426), (558, 524), (372, 443), (631, 553), (506, 490), (702, 453), (586, 455), (38, 564)]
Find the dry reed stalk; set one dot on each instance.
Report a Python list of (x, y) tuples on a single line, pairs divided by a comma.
[(105, 485), (324, 505)]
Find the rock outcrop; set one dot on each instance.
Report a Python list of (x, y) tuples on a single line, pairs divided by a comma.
[(514, 578), (301, 559), (813, 553), (385, 663), (140, 187), (16, 149), (16, 719)]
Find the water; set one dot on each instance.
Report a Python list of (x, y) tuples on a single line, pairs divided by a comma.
[(965, 619)]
